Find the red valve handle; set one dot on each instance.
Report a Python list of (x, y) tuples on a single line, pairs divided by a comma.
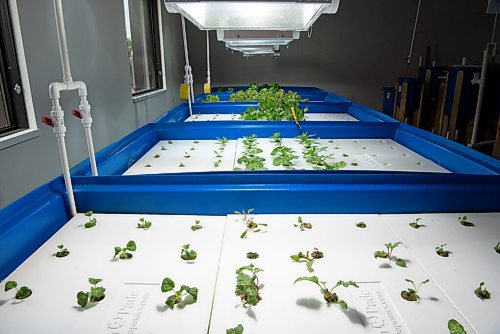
[(76, 113), (48, 121)]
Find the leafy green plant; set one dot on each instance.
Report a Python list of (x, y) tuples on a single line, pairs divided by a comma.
[(92, 220), (218, 154), (455, 327), (497, 248), (188, 254), (123, 253), (355, 164), (252, 255), (196, 142), (283, 156), (308, 258), (217, 163), (177, 297), (21, 293), (361, 225), (163, 148), (441, 251), (416, 224), (302, 225), (247, 285), (230, 89), (481, 292), (95, 295), (236, 330), (276, 138), (328, 294), (336, 165), (463, 221), (156, 156), (147, 166), (197, 226), (62, 252), (388, 254), (251, 225), (307, 140), (222, 142), (182, 165), (186, 155), (144, 224), (211, 98), (250, 157), (411, 294)]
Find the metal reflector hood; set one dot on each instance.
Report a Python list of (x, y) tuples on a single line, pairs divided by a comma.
[(253, 15)]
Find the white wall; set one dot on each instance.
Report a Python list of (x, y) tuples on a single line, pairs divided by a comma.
[(98, 54)]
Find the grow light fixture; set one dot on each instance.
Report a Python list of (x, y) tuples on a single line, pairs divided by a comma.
[(236, 38), (255, 50), (297, 15)]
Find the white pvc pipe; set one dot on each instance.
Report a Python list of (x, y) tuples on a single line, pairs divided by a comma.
[(187, 68), (63, 45), (67, 176), (90, 145), (410, 53)]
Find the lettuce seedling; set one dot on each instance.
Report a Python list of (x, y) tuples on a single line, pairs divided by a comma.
[(336, 165), (156, 156), (308, 258), (186, 155), (463, 221), (411, 294), (185, 291), (222, 142), (218, 154), (163, 148), (148, 165), (441, 251), (144, 224), (497, 248), (328, 294), (300, 224), (217, 163), (196, 142), (252, 255), (197, 226), (92, 221), (236, 330), (416, 224), (247, 285), (95, 295), (123, 253), (211, 98), (354, 164), (249, 222), (192, 148), (481, 292), (276, 138), (170, 142), (361, 225), (182, 165), (284, 156), (21, 293), (388, 254), (307, 140), (455, 327), (187, 254), (62, 252)]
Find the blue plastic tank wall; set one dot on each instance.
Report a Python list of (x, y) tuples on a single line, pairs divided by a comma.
[(413, 95), (389, 99)]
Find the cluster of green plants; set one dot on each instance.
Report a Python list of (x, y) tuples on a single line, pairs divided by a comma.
[(229, 90), (312, 152), (250, 224), (388, 254), (308, 258), (247, 285), (254, 92), (328, 294), (179, 295), (250, 157), (211, 98)]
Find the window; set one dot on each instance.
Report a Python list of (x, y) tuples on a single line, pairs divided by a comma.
[(13, 117), (143, 41)]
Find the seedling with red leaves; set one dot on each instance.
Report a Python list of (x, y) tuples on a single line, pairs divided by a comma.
[(251, 225)]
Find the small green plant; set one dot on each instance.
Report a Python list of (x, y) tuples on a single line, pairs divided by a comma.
[(250, 157), (62, 252), (463, 221), (252, 255), (247, 285), (251, 225), (177, 297), (481, 292), (218, 154), (308, 258), (170, 142), (95, 295), (283, 156), (411, 294), (147, 166), (182, 165), (144, 224), (361, 225), (197, 226), (497, 248), (354, 164), (416, 224), (123, 253), (230, 89), (345, 155), (217, 163), (21, 293), (156, 156), (186, 155), (307, 140), (192, 148), (303, 226), (328, 294), (196, 142), (211, 98), (455, 327), (92, 220), (236, 330), (276, 138), (188, 254), (222, 142), (441, 251), (388, 254), (163, 148)]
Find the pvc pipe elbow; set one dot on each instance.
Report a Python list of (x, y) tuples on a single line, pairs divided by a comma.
[(55, 89)]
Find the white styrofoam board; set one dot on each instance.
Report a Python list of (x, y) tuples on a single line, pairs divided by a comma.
[(472, 260), (328, 117), (201, 159), (369, 154), (133, 295), (288, 308)]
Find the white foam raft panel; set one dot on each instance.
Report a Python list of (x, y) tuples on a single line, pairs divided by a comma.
[(359, 154), (323, 117), (134, 302)]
